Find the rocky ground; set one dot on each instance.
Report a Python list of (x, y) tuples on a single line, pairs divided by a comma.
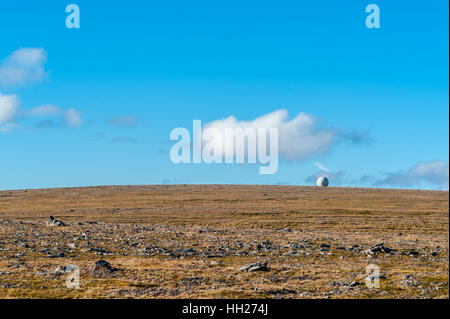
[(223, 242)]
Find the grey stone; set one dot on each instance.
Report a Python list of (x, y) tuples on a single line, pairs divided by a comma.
[(59, 255), (379, 248), (354, 283), (257, 266)]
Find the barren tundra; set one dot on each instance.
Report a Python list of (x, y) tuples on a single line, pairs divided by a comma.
[(214, 241)]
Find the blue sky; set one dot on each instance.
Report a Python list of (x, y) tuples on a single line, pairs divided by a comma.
[(99, 103)]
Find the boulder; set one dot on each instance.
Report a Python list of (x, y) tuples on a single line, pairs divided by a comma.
[(257, 266), (380, 248), (52, 221), (102, 266)]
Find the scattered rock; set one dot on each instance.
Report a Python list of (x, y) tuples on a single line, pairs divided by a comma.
[(266, 243), (97, 250), (409, 280), (257, 266), (283, 291), (102, 266), (59, 255), (186, 251)]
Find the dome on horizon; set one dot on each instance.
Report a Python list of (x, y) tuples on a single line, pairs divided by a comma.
[(322, 181)]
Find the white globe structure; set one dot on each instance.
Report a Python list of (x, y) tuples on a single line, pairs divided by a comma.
[(322, 181)]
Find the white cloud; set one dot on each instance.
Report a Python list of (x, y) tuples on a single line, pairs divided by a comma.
[(44, 110), (356, 137), (9, 106), (298, 137), (434, 172), (23, 66)]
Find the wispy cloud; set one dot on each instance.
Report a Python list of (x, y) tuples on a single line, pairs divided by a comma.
[(361, 181), (103, 138), (23, 66), (44, 110), (356, 137), (435, 172), (321, 167), (72, 117), (124, 140), (50, 115), (123, 121), (45, 115)]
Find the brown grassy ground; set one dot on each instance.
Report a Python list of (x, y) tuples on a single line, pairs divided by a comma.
[(146, 232)]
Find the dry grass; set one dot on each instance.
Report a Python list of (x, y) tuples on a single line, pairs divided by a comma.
[(227, 222)]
